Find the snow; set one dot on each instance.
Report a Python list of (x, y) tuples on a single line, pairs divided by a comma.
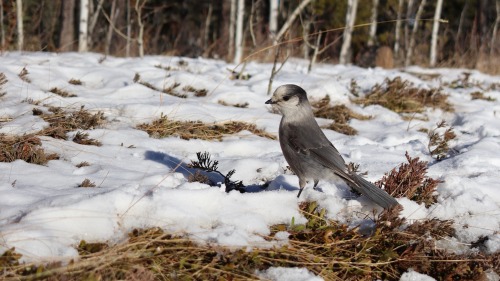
[(142, 181)]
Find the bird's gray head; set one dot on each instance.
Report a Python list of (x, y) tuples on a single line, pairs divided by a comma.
[(289, 98)]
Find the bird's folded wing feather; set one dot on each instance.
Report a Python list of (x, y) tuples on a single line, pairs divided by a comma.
[(310, 140)]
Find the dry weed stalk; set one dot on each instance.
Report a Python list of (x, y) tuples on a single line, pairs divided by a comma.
[(61, 122), (439, 146), (169, 90), (3, 81)]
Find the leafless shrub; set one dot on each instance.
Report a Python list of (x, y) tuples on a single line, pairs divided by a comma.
[(439, 138), (410, 181)]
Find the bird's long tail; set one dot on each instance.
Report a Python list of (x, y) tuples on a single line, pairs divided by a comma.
[(377, 195)]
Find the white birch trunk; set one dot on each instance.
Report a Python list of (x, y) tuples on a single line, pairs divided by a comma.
[(129, 30), (140, 37), (291, 19), (273, 19), (240, 14), (20, 28), (352, 6), (84, 25), (409, 52), (232, 25), (373, 25), (435, 31), (407, 23), (397, 36)]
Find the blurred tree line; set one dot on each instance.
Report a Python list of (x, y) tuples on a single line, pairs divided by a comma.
[(206, 28)]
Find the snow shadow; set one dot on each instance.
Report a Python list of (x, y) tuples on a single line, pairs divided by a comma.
[(178, 166)]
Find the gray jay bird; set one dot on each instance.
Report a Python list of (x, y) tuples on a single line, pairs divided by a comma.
[(307, 150)]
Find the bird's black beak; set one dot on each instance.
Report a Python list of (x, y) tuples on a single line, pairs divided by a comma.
[(270, 102)]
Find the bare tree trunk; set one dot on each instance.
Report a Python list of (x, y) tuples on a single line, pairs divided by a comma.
[(84, 24), (495, 30), (397, 36), (2, 28), (373, 25), (460, 26), (140, 36), (291, 19), (20, 29), (207, 26), (109, 35), (238, 55), (435, 30), (409, 52), (352, 6), (67, 39), (129, 30), (232, 26), (407, 23), (273, 19)]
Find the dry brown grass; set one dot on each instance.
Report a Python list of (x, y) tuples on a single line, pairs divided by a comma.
[(74, 81), (87, 183), (26, 147), (401, 96), (197, 92), (341, 114), (169, 90), (62, 93), (62, 121), (480, 96), (83, 138), (239, 105), (164, 127), (327, 248)]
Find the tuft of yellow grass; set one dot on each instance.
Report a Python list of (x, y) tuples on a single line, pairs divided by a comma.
[(164, 127)]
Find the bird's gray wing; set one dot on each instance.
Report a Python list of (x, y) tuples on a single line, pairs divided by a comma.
[(311, 141)]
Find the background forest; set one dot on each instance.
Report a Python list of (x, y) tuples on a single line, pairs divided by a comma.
[(232, 29)]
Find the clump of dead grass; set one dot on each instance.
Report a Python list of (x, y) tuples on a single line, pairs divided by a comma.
[(87, 183), (410, 180), (197, 92), (164, 127), (401, 96), (26, 147), (62, 93), (480, 96), (239, 105), (341, 114), (83, 138), (74, 81), (168, 90), (62, 121)]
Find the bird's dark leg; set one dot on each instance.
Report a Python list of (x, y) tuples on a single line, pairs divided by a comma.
[(302, 184), (316, 181)]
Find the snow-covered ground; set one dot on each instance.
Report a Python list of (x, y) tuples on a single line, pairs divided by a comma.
[(140, 182)]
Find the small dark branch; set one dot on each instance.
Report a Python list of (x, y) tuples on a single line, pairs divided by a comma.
[(206, 164)]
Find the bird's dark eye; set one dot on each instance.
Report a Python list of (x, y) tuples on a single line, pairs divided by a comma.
[(286, 98)]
